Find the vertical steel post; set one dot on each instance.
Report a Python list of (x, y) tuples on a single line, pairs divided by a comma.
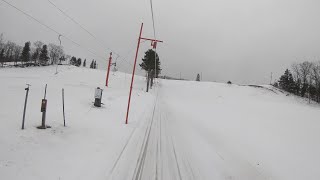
[(64, 117), (107, 79), (43, 122), (25, 105), (133, 71)]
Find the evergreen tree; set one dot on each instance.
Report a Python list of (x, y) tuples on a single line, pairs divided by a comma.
[(91, 65), (148, 62), (79, 62), (35, 56), (73, 61), (287, 83), (198, 77), (292, 85), (44, 58), (95, 65), (2, 57), (25, 56), (84, 62)]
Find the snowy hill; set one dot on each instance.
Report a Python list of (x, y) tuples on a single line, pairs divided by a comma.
[(180, 130)]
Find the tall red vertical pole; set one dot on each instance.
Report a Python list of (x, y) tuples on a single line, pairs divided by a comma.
[(107, 79), (134, 69)]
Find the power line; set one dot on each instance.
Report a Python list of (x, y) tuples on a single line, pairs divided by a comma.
[(86, 30), (154, 29), (82, 27), (50, 28), (154, 34)]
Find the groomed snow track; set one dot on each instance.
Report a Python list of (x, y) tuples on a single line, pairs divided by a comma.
[(158, 157)]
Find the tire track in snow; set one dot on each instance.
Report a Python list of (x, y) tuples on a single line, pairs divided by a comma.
[(143, 152), (122, 151), (159, 157), (176, 159)]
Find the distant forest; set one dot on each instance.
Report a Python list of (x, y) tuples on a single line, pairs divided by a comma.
[(36, 54)]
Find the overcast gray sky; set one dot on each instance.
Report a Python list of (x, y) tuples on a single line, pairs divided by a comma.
[(238, 40)]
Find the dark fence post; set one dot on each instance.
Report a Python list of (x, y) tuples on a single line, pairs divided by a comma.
[(25, 105), (64, 117)]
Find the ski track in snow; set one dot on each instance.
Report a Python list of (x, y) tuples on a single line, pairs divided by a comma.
[(158, 157)]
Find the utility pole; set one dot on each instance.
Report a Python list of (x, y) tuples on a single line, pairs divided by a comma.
[(107, 79), (271, 79), (153, 43)]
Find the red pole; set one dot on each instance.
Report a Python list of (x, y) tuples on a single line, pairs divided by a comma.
[(134, 69), (107, 79)]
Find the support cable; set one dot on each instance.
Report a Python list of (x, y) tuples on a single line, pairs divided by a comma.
[(50, 28)]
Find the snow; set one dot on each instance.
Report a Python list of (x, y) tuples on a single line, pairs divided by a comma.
[(179, 130)]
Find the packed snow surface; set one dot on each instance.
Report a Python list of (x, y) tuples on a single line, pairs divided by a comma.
[(179, 130)]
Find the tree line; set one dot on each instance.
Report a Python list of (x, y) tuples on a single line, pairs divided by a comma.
[(36, 54), (303, 80)]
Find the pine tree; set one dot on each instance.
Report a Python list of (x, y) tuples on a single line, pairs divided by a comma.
[(287, 83), (25, 56), (291, 84), (44, 58), (35, 56), (2, 57), (73, 61), (95, 65), (148, 62), (91, 64), (198, 77), (84, 62), (79, 62)]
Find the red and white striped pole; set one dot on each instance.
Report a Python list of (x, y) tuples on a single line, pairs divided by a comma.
[(107, 79)]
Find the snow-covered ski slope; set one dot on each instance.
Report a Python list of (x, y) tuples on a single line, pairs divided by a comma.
[(180, 130)]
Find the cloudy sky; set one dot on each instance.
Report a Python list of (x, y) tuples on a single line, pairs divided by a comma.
[(238, 40)]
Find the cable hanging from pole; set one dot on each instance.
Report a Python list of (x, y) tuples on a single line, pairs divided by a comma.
[(155, 45), (81, 26), (50, 28), (102, 45)]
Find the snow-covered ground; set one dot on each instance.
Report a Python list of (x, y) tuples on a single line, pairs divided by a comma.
[(180, 130)]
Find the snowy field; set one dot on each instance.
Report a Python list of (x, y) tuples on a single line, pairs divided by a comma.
[(180, 130)]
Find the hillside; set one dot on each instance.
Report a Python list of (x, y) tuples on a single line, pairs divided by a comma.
[(180, 130)]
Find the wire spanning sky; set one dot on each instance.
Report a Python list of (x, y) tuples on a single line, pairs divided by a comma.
[(241, 41)]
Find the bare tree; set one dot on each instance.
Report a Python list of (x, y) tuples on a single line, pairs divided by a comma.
[(67, 58), (9, 50), (55, 53), (305, 73), (1, 41), (16, 53), (315, 75), (38, 45)]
